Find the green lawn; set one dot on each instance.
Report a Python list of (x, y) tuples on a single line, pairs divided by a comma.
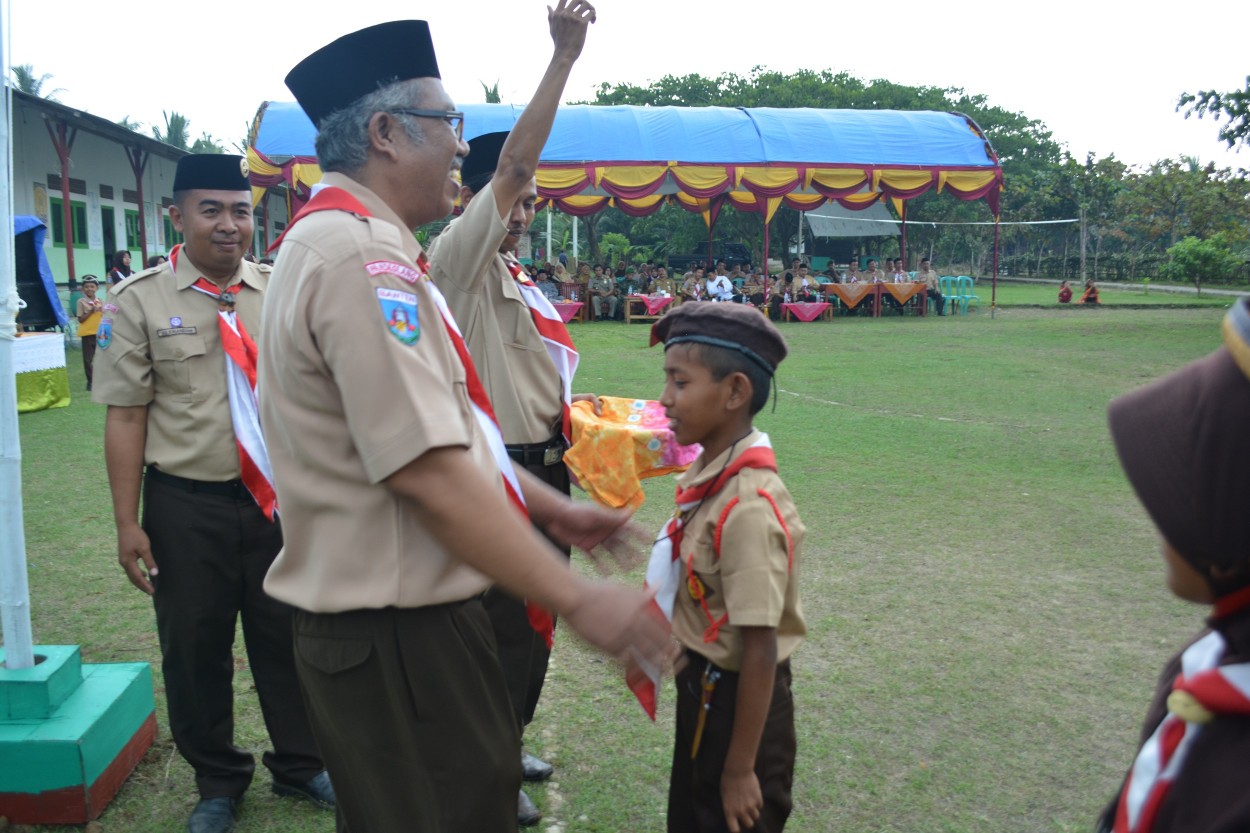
[(984, 595), (1046, 295)]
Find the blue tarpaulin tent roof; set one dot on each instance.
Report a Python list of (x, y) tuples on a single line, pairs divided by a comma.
[(702, 135)]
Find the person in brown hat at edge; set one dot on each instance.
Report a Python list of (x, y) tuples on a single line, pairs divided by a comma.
[(400, 502), (167, 369), (521, 348), (1184, 442)]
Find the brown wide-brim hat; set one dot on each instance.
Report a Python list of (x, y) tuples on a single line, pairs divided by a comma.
[(1184, 442), (736, 327)]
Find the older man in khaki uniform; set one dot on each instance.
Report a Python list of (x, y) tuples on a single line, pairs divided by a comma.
[(209, 532), (400, 499)]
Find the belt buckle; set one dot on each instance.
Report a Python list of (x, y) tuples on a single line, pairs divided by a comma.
[(552, 455)]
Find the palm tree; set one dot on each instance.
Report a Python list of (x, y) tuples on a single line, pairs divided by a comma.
[(129, 123), (177, 130), (492, 93), (26, 81)]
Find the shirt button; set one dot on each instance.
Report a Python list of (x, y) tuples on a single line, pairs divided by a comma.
[(178, 353)]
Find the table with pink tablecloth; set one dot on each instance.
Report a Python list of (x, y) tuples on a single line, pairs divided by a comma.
[(805, 311), (654, 305), (568, 310)]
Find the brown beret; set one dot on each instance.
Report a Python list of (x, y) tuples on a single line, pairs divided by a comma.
[(737, 327), (1184, 442)]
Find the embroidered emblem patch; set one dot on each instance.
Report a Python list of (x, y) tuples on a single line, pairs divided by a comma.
[(696, 588), (399, 311), (175, 321), (243, 168), (104, 335), (390, 267)]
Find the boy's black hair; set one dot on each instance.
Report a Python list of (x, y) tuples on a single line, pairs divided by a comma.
[(722, 361)]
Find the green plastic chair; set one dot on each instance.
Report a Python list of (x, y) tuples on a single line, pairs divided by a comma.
[(949, 286), (970, 298)]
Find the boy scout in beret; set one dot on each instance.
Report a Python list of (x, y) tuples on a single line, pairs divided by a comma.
[(401, 504), (1184, 444), (520, 346), (209, 531), (726, 566)]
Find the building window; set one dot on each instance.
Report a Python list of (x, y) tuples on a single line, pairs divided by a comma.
[(133, 223), (78, 217)]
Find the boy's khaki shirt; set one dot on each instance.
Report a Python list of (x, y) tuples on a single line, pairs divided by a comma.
[(755, 577)]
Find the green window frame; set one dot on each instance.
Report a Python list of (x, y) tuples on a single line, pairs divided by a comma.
[(132, 229), (78, 218)]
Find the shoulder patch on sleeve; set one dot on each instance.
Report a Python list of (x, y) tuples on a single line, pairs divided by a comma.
[(399, 313), (391, 267)]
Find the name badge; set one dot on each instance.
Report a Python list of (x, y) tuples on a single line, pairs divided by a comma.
[(176, 331)]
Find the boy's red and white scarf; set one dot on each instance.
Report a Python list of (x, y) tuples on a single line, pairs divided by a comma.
[(665, 573), (337, 199), (555, 337), (241, 354), (1217, 690)]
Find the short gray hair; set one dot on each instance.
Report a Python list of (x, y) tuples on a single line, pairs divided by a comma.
[(343, 139)]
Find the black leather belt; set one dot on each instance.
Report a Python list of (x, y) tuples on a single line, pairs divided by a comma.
[(222, 488), (547, 453)]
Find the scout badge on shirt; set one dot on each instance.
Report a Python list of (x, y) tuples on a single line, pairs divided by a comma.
[(399, 311), (104, 335)]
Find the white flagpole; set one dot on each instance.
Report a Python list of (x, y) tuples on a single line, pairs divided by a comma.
[(14, 591)]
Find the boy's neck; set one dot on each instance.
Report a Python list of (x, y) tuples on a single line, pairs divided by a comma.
[(724, 437)]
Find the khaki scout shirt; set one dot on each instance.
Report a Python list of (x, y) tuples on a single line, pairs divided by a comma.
[(930, 279), (664, 285), (520, 379), (756, 577), (350, 393), (159, 345)]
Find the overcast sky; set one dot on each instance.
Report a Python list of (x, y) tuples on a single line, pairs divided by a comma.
[(1102, 79)]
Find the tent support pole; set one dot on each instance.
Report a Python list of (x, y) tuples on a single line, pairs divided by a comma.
[(902, 246), (994, 281)]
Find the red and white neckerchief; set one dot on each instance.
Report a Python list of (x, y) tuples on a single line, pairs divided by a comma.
[(254, 467), (666, 572), (1204, 690), (555, 337), (337, 199)]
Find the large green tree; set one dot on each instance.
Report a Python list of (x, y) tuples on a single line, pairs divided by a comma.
[(1232, 107)]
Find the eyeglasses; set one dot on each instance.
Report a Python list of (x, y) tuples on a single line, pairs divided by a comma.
[(455, 118)]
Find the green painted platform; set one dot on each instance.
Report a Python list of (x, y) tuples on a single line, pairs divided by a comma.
[(70, 734)]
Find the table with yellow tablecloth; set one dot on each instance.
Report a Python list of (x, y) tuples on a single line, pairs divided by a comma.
[(39, 365), (614, 451)]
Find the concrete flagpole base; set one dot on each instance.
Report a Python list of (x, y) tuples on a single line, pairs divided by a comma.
[(70, 734)]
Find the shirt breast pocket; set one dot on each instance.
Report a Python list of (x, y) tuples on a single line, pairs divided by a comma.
[(180, 365)]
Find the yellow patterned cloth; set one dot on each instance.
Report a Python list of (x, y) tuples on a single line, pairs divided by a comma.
[(614, 451)]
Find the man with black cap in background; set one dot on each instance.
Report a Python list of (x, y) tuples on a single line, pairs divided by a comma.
[(176, 366), (519, 344), (401, 504)]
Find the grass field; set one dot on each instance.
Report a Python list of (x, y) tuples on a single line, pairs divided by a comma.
[(984, 596)]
